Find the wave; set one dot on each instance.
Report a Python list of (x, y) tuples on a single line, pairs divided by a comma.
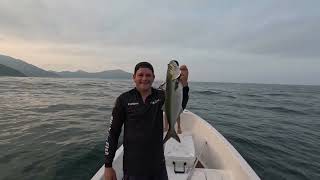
[(221, 93), (104, 108), (230, 96), (285, 110), (206, 92), (278, 94), (228, 114), (251, 95), (273, 108), (61, 107), (93, 84)]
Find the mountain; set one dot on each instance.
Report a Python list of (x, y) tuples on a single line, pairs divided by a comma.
[(111, 74), (7, 71), (33, 71), (25, 68)]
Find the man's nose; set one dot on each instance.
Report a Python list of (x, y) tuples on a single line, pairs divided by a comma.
[(144, 78)]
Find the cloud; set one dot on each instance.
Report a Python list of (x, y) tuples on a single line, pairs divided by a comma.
[(193, 25), (294, 38), (120, 33)]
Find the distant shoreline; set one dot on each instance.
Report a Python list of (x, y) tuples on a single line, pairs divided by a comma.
[(160, 81)]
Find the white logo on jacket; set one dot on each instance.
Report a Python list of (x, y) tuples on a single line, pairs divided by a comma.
[(133, 104), (155, 101)]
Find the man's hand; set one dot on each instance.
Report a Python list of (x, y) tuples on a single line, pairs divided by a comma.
[(184, 75), (109, 174)]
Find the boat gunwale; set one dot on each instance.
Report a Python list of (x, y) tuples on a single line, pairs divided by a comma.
[(242, 162)]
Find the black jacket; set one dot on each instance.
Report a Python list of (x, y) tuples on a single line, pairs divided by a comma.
[(143, 131)]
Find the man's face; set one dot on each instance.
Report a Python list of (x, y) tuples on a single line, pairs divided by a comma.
[(143, 79)]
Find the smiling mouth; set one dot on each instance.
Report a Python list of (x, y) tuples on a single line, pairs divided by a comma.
[(145, 82)]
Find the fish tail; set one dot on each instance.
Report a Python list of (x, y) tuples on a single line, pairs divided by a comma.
[(173, 134)]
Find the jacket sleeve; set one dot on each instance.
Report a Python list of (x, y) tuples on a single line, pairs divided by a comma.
[(185, 96), (116, 122)]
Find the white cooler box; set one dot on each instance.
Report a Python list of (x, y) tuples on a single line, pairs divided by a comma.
[(180, 156)]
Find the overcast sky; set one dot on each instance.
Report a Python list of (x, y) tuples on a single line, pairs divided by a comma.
[(221, 41)]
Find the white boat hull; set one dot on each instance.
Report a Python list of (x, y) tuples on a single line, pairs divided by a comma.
[(219, 159)]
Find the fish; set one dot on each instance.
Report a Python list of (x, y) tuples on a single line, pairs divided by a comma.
[(173, 99)]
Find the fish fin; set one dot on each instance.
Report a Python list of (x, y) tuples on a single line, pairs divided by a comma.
[(177, 83), (177, 77), (173, 134), (163, 86)]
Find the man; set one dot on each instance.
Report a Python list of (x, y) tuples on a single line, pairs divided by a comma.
[(140, 111)]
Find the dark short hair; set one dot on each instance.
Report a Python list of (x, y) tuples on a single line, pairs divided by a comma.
[(143, 65)]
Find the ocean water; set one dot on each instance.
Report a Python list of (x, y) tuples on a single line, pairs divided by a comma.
[(55, 128)]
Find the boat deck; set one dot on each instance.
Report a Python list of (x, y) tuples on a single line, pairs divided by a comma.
[(200, 174)]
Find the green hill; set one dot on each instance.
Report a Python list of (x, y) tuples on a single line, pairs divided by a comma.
[(7, 71), (110, 74), (25, 68)]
